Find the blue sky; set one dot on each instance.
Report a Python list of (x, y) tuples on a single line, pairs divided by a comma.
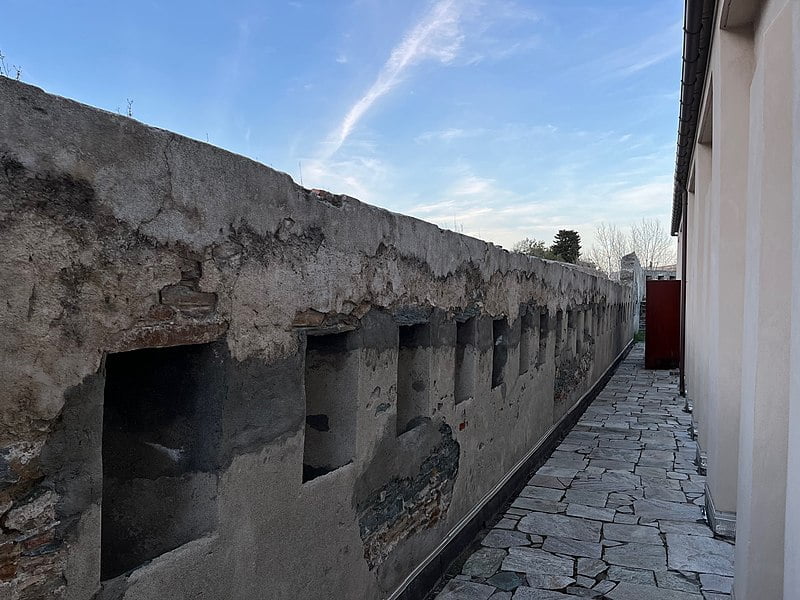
[(502, 119)]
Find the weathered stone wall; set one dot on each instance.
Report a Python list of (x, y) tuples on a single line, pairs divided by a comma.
[(202, 357)]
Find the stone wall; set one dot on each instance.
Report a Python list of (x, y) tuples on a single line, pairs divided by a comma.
[(203, 365)]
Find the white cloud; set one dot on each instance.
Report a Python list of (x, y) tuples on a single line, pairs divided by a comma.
[(472, 186), (437, 36), (448, 135)]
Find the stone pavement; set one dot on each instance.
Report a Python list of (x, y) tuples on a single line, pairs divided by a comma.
[(616, 512)]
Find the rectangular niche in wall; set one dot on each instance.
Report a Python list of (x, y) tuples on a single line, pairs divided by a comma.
[(588, 324), (525, 341), (413, 375), (559, 332), (161, 435), (331, 382), (466, 359), (499, 350), (541, 357), (572, 340)]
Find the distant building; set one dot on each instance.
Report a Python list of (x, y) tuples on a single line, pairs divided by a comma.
[(662, 272)]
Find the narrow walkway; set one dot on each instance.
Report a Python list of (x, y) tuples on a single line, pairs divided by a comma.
[(616, 512)]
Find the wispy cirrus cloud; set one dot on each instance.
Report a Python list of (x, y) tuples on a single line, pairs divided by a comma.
[(449, 134), (437, 36), (629, 60)]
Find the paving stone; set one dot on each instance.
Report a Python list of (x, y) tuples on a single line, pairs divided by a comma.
[(548, 481), (569, 447), (716, 583), (580, 437), (627, 444), (465, 590), (484, 562), (506, 581), (631, 533), (635, 591), (643, 556), (716, 596), (615, 454), (625, 518), (566, 459), (593, 472), (605, 586), (534, 560), (506, 523), (501, 596), (677, 581), (631, 575), (543, 493), (549, 582), (583, 592), (587, 498), (503, 538), (656, 456), (700, 554), (659, 492), (685, 527), (692, 486), (559, 472), (590, 512), (627, 498), (527, 593), (572, 547), (591, 567), (586, 582), (611, 464), (661, 509), (651, 472), (547, 506), (610, 481), (561, 526)]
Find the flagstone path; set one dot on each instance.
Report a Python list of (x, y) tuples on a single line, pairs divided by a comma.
[(615, 513)]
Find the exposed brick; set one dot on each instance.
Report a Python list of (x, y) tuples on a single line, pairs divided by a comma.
[(186, 299)]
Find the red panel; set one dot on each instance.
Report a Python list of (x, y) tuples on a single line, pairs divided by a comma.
[(663, 335)]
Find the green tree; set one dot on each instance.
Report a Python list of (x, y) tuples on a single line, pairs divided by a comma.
[(567, 245), (533, 247)]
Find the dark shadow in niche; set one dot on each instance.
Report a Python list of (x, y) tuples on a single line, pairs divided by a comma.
[(413, 375), (466, 359), (572, 338), (544, 332), (500, 350), (559, 333), (525, 335), (331, 385), (161, 436)]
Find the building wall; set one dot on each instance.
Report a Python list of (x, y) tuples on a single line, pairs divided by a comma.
[(742, 246), (207, 362)]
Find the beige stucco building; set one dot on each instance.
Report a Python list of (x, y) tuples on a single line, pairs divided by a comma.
[(736, 211)]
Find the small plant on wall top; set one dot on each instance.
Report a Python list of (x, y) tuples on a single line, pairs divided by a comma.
[(14, 73)]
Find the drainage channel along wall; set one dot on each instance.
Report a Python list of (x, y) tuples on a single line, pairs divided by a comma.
[(219, 384)]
